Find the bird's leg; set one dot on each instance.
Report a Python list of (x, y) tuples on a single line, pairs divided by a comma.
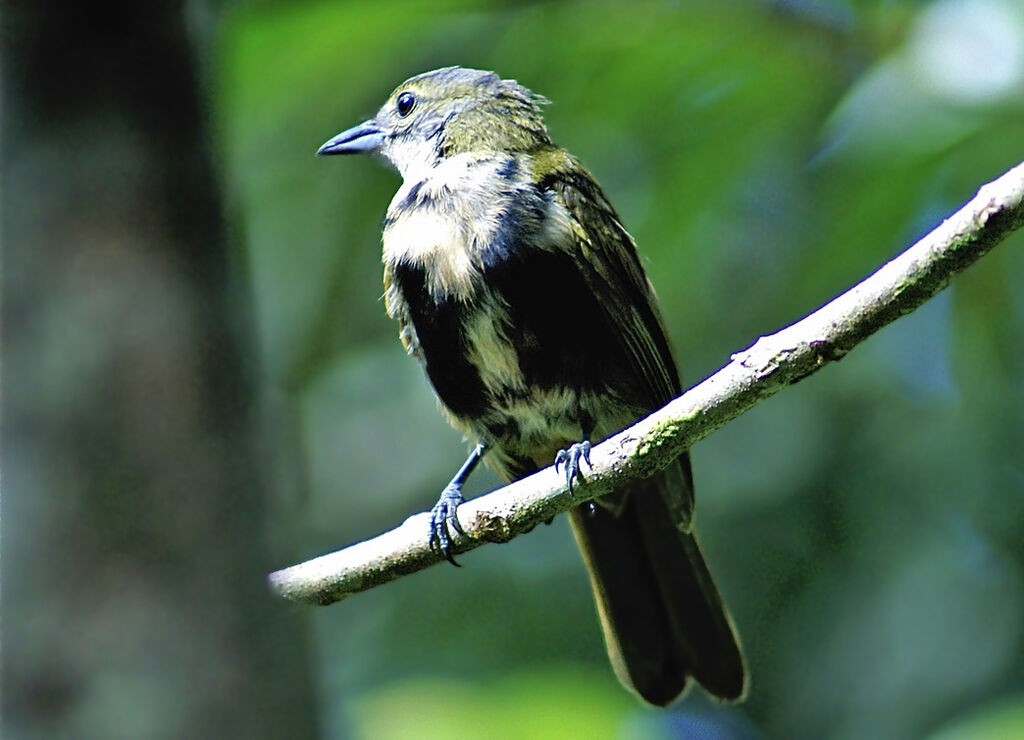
[(570, 457), (443, 513)]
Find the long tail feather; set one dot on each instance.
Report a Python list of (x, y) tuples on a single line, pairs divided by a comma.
[(663, 618)]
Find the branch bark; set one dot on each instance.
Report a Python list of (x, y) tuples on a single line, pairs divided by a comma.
[(772, 363)]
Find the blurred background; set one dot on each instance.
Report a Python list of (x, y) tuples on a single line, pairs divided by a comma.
[(202, 384)]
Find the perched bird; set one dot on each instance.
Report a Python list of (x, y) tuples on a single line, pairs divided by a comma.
[(519, 291)]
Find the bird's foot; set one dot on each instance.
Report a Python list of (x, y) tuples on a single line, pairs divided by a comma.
[(444, 522), (570, 457)]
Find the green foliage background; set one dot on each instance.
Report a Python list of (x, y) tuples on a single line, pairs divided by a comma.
[(866, 526)]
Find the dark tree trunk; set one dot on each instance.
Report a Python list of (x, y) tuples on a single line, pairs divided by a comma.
[(134, 521)]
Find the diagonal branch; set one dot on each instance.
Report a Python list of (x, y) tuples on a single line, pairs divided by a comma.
[(753, 375)]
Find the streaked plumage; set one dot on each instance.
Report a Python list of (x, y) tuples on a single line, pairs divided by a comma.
[(521, 293)]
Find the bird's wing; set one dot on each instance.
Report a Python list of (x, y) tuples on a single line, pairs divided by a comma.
[(661, 613), (607, 258)]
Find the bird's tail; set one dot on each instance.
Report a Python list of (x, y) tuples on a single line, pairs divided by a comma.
[(663, 618)]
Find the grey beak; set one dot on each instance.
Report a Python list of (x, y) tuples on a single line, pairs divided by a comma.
[(366, 137)]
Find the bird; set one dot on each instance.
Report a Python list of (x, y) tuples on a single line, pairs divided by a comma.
[(519, 291)]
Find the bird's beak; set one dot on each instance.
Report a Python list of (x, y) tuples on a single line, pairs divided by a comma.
[(366, 137)]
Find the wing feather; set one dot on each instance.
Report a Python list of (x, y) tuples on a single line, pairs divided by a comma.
[(608, 260)]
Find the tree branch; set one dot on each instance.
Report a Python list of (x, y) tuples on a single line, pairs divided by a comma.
[(753, 375)]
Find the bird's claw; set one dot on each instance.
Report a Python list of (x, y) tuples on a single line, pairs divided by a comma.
[(570, 458), (443, 521)]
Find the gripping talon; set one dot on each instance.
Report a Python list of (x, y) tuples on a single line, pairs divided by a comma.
[(443, 515), (570, 458), (443, 521)]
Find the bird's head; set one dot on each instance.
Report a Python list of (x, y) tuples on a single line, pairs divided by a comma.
[(447, 112)]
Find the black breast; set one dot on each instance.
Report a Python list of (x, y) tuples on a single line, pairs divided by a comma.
[(560, 331), (439, 321)]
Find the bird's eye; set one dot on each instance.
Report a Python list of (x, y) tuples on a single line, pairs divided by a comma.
[(405, 103)]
